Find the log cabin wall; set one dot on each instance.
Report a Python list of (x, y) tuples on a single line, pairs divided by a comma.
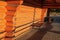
[(22, 20), (24, 17), (2, 18)]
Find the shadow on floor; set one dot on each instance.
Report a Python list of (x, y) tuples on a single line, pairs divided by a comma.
[(41, 32)]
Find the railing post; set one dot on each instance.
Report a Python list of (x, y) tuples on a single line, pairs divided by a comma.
[(48, 15)]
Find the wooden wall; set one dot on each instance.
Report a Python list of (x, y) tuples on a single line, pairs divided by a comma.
[(23, 15), (2, 18)]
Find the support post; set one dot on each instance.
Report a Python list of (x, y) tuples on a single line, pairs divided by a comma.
[(43, 12), (48, 15), (11, 9)]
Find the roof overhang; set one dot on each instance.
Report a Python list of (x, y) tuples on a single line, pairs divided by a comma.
[(42, 3)]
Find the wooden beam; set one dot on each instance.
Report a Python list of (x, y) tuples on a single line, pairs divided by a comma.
[(43, 4)]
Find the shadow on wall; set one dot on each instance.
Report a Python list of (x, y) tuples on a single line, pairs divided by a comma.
[(41, 32)]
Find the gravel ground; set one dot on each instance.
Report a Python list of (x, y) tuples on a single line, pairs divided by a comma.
[(54, 33)]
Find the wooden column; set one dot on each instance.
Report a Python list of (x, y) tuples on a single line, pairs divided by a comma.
[(48, 15), (43, 12), (11, 9)]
